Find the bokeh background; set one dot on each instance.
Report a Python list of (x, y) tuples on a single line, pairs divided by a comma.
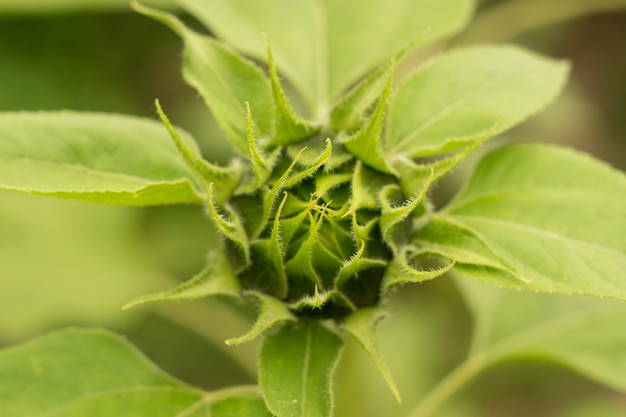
[(66, 263)]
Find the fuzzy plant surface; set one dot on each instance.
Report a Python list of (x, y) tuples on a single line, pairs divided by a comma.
[(325, 209)]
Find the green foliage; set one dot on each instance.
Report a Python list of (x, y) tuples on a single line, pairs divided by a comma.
[(518, 203), (459, 96), (59, 371), (552, 327), (341, 45), (296, 365), (326, 208), (101, 158)]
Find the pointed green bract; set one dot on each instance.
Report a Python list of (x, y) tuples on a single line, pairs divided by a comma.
[(224, 79), (261, 166), (400, 271), (230, 226), (392, 216), (269, 273), (288, 128), (270, 197), (216, 279), (324, 47), (457, 98), (444, 238), (301, 265), (309, 171), (296, 367), (326, 304), (348, 114), (354, 265), (362, 326), (94, 157), (272, 312), (367, 143), (350, 110), (225, 180), (414, 177), (554, 215)]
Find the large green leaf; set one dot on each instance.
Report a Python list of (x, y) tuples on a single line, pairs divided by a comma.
[(458, 97), (325, 46), (555, 216), (583, 333), (75, 373), (101, 158), (295, 369)]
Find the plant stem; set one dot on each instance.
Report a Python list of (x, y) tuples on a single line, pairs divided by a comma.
[(448, 386)]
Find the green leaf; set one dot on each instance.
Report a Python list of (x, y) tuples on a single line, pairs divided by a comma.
[(216, 279), (100, 158), (324, 47), (583, 333), (458, 97), (554, 215), (73, 371), (362, 326), (224, 79), (273, 311), (296, 368), (77, 373)]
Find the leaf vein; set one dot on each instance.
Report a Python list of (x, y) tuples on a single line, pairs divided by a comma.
[(446, 111)]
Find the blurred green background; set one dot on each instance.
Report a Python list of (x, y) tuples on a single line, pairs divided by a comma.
[(73, 263)]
